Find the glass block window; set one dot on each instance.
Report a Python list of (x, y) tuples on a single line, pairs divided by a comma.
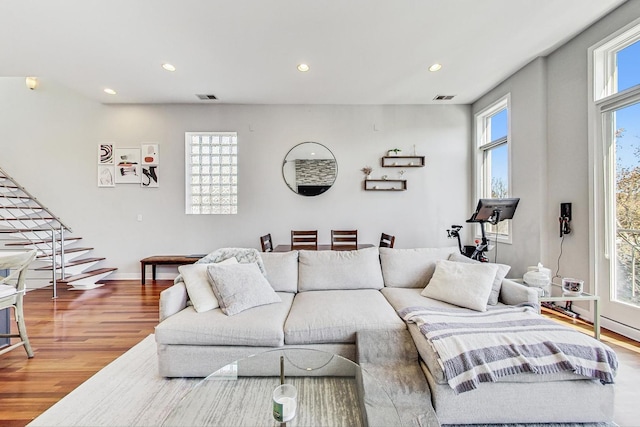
[(211, 169)]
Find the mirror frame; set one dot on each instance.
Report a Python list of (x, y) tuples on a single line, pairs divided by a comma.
[(312, 190)]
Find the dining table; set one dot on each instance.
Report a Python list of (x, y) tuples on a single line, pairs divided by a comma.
[(323, 247)]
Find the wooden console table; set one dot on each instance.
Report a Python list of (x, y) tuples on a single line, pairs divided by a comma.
[(156, 260)]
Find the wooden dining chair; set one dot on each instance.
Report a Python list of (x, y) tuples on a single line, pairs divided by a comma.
[(266, 243), (387, 240), (12, 289), (344, 240), (304, 239)]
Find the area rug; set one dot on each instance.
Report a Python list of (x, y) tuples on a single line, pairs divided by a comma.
[(127, 392)]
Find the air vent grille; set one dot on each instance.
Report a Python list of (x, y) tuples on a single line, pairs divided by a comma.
[(443, 97), (205, 97)]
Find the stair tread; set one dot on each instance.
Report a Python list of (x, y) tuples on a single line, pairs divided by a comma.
[(28, 218), (86, 274), (24, 230), (72, 263), (66, 251), (39, 242)]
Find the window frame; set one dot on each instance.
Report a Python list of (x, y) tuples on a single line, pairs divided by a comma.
[(233, 191), (482, 145)]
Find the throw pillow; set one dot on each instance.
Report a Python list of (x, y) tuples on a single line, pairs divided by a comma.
[(196, 280), (503, 269), (240, 287), (462, 284)]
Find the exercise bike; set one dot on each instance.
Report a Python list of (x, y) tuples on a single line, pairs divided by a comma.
[(488, 210)]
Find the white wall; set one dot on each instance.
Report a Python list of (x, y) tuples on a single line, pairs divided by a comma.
[(49, 137), (550, 149), (527, 89)]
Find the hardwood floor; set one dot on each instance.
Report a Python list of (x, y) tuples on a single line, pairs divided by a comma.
[(73, 337), (80, 332)]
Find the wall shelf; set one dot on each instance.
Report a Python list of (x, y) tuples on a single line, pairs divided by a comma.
[(402, 161), (385, 184)]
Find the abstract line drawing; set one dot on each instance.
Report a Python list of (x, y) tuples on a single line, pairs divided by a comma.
[(150, 176), (106, 176), (150, 154), (105, 155)]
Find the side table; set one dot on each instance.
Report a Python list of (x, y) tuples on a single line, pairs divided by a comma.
[(156, 260), (555, 293)]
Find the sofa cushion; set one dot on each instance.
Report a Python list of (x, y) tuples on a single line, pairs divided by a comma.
[(411, 268), (199, 289), (282, 270), (335, 316), (327, 270), (503, 269), (240, 287), (462, 284), (260, 326)]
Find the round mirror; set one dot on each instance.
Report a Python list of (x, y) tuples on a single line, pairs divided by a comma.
[(309, 169)]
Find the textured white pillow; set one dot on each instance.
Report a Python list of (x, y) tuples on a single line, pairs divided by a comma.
[(503, 269), (240, 287), (462, 284), (411, 268), (198, 286)]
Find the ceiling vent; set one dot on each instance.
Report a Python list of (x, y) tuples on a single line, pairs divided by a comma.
[(443, 97), (205, 97)]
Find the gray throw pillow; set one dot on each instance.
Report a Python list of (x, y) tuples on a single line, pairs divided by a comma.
[(503, 269), (240, 287)]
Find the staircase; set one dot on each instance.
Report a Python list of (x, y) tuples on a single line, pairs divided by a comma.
[(25, 223)]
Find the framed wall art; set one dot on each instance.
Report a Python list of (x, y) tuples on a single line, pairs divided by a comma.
[(128, 169)]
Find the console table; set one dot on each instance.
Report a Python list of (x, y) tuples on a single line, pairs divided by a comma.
[(156, 260)]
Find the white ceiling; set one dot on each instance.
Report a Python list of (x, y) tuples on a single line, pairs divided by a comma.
[(246, 51)]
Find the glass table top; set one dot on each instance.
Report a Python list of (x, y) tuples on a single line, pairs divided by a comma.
[(331, 390)]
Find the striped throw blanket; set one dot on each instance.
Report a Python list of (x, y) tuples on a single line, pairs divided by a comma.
[(476, 347)]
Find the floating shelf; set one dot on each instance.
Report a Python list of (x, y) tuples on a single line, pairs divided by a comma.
[(385, 184), (402, 161)]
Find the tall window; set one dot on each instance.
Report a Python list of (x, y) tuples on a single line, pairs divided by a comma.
[(616, 96), (211, 165), (492, 164)]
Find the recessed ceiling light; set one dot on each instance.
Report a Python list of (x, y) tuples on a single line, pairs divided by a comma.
[(435, 67), (303, 68), (110, 91), (168, 67)]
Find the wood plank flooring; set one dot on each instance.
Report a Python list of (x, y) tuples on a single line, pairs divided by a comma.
[(80, 332)]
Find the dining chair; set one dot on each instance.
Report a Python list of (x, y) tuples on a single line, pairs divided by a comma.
[(12, 289), (387, 240), (266, 243), (344, 240), (304, 239)]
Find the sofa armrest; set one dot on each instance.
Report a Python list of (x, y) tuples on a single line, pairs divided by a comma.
[(512, 293), (173, 300)]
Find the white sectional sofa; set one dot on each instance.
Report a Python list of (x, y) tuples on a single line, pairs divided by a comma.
[(327, 297)]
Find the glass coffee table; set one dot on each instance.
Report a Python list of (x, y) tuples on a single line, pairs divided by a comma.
[(331, 391), (554, 293)]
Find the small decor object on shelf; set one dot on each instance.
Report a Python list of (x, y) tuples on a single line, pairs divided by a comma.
[(394, 152), (367, 171), (571, 286)]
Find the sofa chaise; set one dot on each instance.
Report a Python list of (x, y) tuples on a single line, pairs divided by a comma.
[(325, 298)]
